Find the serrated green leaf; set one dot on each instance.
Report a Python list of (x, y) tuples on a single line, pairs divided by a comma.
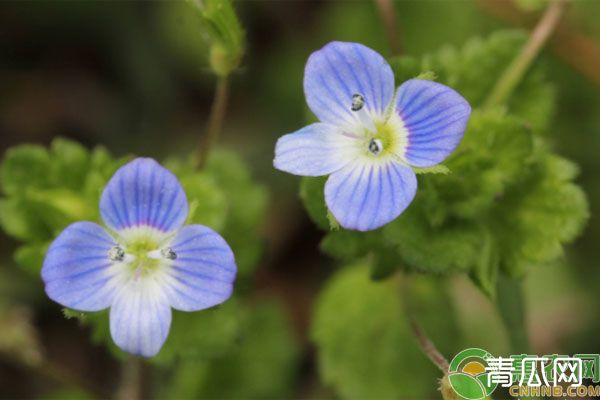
[(70, 163), (452, 247), (23, 167), (473, 70), (537, 218)]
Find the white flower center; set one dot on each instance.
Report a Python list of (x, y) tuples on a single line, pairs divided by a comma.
[(142, 251), (382, 137)]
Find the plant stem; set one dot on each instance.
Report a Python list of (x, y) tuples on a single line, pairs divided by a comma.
[(427, 346), (130, 387), (215, 120), (388, 16), (518, 67)]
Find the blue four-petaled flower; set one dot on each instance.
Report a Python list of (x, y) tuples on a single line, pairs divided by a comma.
[(144, 264), (370, 134)]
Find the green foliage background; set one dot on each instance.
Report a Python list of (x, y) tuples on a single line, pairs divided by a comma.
[(484, 256)]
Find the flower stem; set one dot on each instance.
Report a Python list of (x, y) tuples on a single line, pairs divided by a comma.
[(215, 121), (130, 387), (427, 346), (388, 16), (518, 67)]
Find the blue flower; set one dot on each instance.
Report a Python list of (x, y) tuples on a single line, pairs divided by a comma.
[(144, 264), (370, 134)]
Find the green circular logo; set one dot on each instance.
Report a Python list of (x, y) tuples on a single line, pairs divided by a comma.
[(467, 374)]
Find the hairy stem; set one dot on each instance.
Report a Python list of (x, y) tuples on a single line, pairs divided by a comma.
[(215, 121), (388, 16), (518, 67)]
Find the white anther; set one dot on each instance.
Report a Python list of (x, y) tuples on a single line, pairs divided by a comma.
[(375, 146), (358, 103), (168, 253), (116, 254), (163, 253)]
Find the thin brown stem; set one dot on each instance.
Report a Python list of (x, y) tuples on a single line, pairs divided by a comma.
[(427, 346), (519, 66), (215, 121), (387, 13)]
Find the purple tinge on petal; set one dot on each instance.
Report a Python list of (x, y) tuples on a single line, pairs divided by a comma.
[(203, 273), (365, 196), (143, 192), (77, 271), (340, 70), (435, 116), (315, 150), (140, 317)]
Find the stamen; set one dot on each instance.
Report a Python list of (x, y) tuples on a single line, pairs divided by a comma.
[(116, 254), (168, 253), (375, 146), (165, 252), (358, 103)]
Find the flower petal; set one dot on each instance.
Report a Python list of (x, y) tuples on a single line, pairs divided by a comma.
[(366, 195), (143, 192), (140, 317), (203, 273), (435, 116), (77, 270), (315, 150), (339, 70)]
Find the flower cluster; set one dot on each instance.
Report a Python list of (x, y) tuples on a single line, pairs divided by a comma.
[(146, 261), (370, 134)]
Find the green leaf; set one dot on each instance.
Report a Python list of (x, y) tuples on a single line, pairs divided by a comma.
[(436, 169), (473, 70), (201, 335), (70, 163), (23, 167), (538, 217), (262, 365), (31, 256), (422, 247), (246, 208), (17, 220), (355, 313), (313, 198)]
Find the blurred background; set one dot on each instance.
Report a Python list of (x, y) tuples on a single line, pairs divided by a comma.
[(135, 78)]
